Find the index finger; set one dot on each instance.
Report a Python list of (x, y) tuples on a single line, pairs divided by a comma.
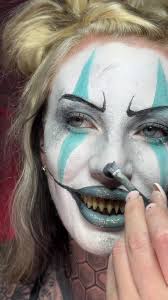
[(142, 259), (157, 221), (111, 286)]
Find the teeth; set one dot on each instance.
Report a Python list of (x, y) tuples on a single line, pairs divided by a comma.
[(94, 203), (109, 207), (89, 202), (85, 199), (116, 206), (100, 204), (122, 207)]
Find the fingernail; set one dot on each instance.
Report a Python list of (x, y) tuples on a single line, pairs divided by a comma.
[(157, 187), (132, 195)]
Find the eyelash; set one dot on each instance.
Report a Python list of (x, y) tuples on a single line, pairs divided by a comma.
[(155, 126), (80, 117)]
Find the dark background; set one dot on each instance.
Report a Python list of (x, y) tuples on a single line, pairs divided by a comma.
[(10, 86)]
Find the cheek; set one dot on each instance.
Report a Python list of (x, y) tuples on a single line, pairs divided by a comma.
[(150, 163), (78, 160), (69, 155), (72, 142), (146, 170), (64, 203), (53, 140), (161, 152), (52, 154)]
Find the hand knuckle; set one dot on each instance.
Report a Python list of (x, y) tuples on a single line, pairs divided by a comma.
[(138, 242), (118, 248), (161, 237)]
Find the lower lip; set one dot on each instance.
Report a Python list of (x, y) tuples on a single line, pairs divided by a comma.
[(100, 220)]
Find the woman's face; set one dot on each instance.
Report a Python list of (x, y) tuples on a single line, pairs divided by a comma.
[(109, 102)]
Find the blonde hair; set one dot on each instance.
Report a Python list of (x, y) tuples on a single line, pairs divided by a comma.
[(35, 40)]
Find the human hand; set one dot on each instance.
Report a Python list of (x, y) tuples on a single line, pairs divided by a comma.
[(138, 266)]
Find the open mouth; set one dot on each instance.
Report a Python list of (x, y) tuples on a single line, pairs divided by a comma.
[(101, 206), (104, 206)]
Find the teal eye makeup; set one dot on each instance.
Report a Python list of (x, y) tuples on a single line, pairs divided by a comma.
[(153, 133), (79, 120), (76, 120), (72, 116), (156, 134)]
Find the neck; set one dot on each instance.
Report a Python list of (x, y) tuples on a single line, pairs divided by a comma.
[(88, 274)]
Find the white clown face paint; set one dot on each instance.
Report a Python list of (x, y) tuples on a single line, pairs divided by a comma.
[(80, 139)]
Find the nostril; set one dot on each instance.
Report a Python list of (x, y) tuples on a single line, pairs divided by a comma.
[(107, 172), (116, 172), (100, 177), (110, 169)]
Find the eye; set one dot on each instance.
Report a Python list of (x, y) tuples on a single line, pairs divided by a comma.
[(153, 131), (79, 120)]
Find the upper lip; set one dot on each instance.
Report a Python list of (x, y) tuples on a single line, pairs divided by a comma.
[(103, 192)]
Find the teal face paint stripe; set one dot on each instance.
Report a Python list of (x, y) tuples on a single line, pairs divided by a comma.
[(81, 88), (73, 140), (161, 95), (70, 143), (162, 157), (161, 99)]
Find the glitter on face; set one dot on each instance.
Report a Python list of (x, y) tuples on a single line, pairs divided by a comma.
[(161, 99), (108, 136), (72, 141)]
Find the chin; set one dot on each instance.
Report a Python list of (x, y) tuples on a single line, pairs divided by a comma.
[(91, 238), (95, 240)]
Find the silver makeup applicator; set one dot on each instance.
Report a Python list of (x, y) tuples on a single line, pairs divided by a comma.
[(112, 170)]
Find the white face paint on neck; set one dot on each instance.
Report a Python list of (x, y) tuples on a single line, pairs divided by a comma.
[(81, 137)]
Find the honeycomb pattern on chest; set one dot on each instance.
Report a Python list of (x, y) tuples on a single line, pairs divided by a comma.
[(88, 274)]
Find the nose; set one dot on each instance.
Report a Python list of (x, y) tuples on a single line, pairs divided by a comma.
[(106, 155)]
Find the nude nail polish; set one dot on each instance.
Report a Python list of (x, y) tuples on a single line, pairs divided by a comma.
[(132, 195), (157, 187)]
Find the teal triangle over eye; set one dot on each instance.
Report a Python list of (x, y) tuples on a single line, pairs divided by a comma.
[(73, 140), (161, 99), (82, 85), (69, 145), (161, 94)]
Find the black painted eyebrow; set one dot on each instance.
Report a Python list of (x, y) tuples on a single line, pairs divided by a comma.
[(143, 112), (75, 98)]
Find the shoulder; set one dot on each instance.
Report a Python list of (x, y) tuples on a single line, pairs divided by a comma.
[(50, 289), (15, 292)]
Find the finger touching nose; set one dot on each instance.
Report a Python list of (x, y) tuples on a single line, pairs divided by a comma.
[(107, 155)]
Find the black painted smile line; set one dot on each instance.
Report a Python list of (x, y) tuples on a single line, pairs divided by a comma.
[(114, 222), (95, 191), (98, 192)]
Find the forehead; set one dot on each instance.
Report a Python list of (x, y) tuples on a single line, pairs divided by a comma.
[(116, 68)]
